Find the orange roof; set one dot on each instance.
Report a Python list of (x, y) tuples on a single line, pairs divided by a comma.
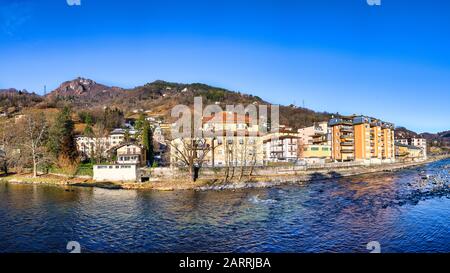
[(227, 118)]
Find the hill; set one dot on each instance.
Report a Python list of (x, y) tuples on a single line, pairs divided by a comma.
[(13, 100), (160, 97)]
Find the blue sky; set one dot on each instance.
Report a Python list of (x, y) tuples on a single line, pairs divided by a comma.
[(390, 61)]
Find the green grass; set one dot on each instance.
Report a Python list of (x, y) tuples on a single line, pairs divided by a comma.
[(85, 169)]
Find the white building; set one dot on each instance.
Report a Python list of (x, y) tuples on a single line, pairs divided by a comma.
[(87, 146), (318, 134), (417, 142), (281, 147), (130, 154), (116, 173)]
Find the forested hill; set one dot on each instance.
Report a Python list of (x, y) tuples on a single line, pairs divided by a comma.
[(160, 97)]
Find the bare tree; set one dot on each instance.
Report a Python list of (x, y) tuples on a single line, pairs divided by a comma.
[(191, 152), (99, 137), (232, 154), (9, 152), (253, 159), (34, 133)]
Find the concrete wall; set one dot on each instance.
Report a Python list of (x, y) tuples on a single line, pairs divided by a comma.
[(112, 173)]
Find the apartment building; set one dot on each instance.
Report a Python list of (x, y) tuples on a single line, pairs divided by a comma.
[(231, 140), (416, 142), (281, 146), (318, 134), (315, 143), (87, 146), (361, 138), (228, 122)]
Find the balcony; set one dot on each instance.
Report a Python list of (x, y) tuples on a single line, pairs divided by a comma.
[(346, 129), (347, 143), (347, 136)]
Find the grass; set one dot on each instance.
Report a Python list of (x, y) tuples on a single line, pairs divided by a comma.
[(84, 169)]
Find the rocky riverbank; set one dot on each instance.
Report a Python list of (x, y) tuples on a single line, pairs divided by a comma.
[(274, 179), (215, 183)]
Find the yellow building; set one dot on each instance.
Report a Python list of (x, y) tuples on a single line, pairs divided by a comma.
[(316, 151), (406, 152), (231, 140), (362, 138)]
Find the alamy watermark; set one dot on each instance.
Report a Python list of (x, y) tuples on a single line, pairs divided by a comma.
[(374, 246), (74, 247), (73, 2), (374, 2), (250, 120)]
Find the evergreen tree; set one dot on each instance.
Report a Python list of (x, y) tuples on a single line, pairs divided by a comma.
[(147, 142), (139, 125), (61, 142)]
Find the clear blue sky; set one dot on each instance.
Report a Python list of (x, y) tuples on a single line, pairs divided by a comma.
[(391, 61)]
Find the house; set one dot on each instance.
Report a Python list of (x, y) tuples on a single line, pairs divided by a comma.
[(130, 153), (406, 152)]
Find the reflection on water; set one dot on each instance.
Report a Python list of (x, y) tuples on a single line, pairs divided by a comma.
[(408, 211)]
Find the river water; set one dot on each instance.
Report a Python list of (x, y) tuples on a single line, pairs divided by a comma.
[(402, 211)]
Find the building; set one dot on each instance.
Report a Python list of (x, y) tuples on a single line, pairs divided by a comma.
[(281, 146), (318, 134), (229, 139), (116, 173), (228, 122), (315, 153), (117, 137), (405, 152), (88, 146), (416, 142), (315, 143), (129, 153), (361, 138)]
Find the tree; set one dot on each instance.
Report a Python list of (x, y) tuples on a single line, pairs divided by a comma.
[(98, 151), (9, 153), (61, 142), (139, 125), (112, 118), (147, 142), (34, 130), (191, 152)]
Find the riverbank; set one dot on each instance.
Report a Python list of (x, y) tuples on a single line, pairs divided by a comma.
[(215, 182)]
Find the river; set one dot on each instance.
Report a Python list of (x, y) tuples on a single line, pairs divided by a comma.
[(402, 211)]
